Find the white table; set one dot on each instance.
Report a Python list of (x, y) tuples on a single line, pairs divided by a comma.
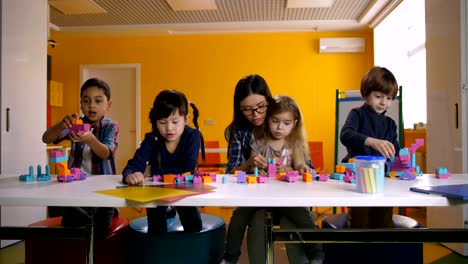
[(271, 194)]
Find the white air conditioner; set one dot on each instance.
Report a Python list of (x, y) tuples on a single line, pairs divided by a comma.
[(342, 45)]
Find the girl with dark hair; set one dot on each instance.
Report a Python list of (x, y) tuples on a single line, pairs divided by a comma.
[(171, 147)]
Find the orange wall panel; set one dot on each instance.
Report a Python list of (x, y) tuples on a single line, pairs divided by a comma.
[(207, 67)]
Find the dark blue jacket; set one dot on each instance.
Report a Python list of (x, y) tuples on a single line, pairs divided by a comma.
[(364, 122), (184, 158)]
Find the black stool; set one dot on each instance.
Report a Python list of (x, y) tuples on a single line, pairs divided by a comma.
[(390, 253), (177, 247)]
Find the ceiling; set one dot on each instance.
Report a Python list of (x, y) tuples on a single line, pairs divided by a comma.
[(214, 16)]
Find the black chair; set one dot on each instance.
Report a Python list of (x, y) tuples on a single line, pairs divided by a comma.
[(372, 252)]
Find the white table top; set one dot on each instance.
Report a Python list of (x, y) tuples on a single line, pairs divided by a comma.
[(271, 194)]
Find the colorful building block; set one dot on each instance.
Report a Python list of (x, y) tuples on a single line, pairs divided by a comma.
[(28, 177), (442, 173), (251, 179), (189, 178), (306, 177), (322, 177), (156, 178), (168, 178), (45, 176), (206, 179), (337, 176), (241, 177), (271, 170), (197, 179), (79, 127), (262, 179)]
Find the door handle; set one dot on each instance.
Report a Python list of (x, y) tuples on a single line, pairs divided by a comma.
[(8, 120)]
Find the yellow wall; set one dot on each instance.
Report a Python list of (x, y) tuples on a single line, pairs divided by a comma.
[(207, 67)]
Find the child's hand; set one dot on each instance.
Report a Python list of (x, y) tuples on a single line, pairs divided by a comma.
[(85, 137), (67, 121), (305, 169), (135, 178), (257, 161), (384, 147)]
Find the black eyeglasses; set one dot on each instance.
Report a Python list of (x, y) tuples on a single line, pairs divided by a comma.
[(259, 109)]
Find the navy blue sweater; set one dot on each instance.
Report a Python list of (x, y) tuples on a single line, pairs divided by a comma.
[(364, 122), (184, 158)]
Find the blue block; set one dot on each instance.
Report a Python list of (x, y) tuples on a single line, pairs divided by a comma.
[(58, 159)]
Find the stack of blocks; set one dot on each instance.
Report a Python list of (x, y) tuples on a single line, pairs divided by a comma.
[(78, 127), (404, 166), (63, 173), (442, 173)]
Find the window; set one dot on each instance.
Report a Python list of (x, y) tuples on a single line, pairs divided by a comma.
[(399, 45)]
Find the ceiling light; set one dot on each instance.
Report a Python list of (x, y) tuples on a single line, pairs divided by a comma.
[(309, 3), (77, 7), (190, 5)]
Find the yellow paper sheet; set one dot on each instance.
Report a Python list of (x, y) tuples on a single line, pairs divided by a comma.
[(145, 193)]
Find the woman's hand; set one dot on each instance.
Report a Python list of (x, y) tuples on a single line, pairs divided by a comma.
[(135, 178)]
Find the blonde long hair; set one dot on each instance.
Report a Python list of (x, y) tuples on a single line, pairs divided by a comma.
[(297, 139)]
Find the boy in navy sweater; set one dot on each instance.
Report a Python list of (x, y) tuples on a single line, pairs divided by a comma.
[(368, 131)]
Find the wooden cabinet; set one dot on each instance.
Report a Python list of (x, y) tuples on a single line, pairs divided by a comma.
[(410, 136), (446, 71)]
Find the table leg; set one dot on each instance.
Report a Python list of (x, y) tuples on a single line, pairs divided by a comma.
[(91, 238), (269, 246)]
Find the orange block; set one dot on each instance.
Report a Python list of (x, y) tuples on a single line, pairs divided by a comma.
[(340, 169), (62, 169), (168, 178), (206, 179), (278, 176), (307, 177), (77, 121), (251, 179)]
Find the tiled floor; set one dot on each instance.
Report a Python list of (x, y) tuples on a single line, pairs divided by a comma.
[(433, 252)]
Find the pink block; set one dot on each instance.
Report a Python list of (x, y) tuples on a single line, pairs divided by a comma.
[(262, 179), (55, 154)]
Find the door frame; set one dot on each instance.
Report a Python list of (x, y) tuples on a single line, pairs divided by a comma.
[(137, 68)]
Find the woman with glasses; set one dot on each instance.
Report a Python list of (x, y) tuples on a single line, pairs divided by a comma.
[(251, 99)]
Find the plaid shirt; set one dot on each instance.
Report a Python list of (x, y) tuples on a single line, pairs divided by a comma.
[(107, 132), (239, 148)]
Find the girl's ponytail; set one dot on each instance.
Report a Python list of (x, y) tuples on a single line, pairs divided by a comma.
[(195, 122)]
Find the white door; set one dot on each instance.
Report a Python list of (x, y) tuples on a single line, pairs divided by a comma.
[(124, 84)]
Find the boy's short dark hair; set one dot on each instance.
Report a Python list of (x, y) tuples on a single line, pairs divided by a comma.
[(99, 84), (379, 79)]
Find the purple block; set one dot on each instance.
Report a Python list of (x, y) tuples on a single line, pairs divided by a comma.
[(241, 177), (68, 178)]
